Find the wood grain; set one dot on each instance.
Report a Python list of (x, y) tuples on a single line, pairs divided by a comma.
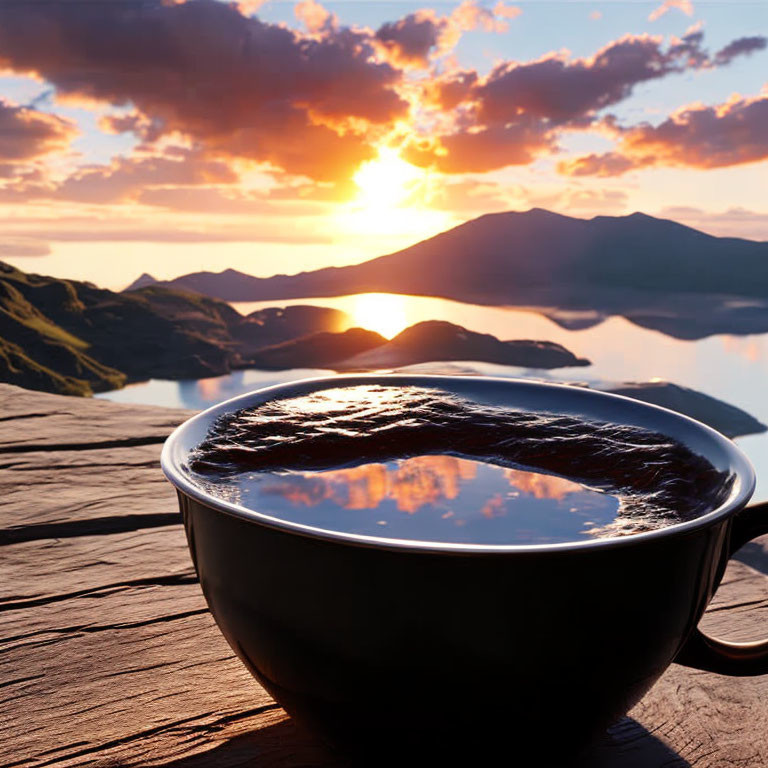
[(108, 656)]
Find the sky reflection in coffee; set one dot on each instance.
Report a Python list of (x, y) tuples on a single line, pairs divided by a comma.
[(420, 463)]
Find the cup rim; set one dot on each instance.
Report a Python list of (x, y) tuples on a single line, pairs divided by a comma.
[(171, 462)]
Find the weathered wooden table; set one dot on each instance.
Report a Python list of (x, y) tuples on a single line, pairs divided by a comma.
[(108, 656)]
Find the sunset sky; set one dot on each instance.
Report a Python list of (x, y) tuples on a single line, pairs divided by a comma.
[(277, 136)]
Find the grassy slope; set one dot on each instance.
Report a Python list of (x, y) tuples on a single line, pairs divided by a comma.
[(74, 338)]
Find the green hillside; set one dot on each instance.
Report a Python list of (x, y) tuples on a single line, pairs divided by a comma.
[(72, 337)]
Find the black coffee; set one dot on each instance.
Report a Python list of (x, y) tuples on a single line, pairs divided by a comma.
[(423, 464)]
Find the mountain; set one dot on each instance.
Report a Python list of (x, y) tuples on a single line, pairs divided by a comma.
[(724, 417), (360, 350), (655, 272), (74, 338), (275, 325), (142, 281), (437, 340)]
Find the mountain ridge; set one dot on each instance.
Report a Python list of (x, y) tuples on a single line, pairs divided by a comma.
[(636, 265)]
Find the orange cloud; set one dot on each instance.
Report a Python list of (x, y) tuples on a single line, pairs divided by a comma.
[(686, 6), (541, 486), (494, 507), (315, 105), (517, 112), (694, 137), (234, 84), (314, 16), (27, 134), (417, 482), (416, 38), (410, 41)]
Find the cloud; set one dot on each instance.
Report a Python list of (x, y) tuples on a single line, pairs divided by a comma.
[(503, 11), (27, 135), (734, 222), (475, 196), (176, 229), (224, 201), (148, 130), (469, 15), (315, 105), (517, 111), (338, 192), (416, 38), (486, 149), (686, 6), (410, 40), (593, 200), (23, 248), (741, 47), (696, 136), (471, 196), (236, 85), (563, 90), (125, 178), (314, 17), (605, 165)]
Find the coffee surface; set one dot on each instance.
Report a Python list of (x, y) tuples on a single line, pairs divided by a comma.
[(419, 463)]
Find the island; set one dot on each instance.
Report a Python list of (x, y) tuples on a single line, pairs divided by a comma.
[(73, 338)]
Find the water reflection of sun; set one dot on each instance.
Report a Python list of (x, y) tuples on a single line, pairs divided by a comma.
[(384, 313)]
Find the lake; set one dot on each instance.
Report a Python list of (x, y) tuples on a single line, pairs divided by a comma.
[(731, 368)]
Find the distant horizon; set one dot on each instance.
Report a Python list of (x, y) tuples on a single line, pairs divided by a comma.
[(118, 287), (482, 215), (280, 137)]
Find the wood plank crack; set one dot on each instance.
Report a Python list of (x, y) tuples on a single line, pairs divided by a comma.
[(75, 630), (43, 415), (18, 602), (125, 442), (186, 724)]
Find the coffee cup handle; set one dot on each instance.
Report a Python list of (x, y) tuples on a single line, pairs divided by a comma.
[(721, 656)]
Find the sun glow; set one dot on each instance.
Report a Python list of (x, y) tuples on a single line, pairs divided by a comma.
[(381, 312), (387, 181), (392, 200)]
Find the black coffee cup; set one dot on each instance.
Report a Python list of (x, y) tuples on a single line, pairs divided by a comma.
[(383, 645)]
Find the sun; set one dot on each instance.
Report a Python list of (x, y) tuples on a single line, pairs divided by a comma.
[(393, 200), (387, 181)]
